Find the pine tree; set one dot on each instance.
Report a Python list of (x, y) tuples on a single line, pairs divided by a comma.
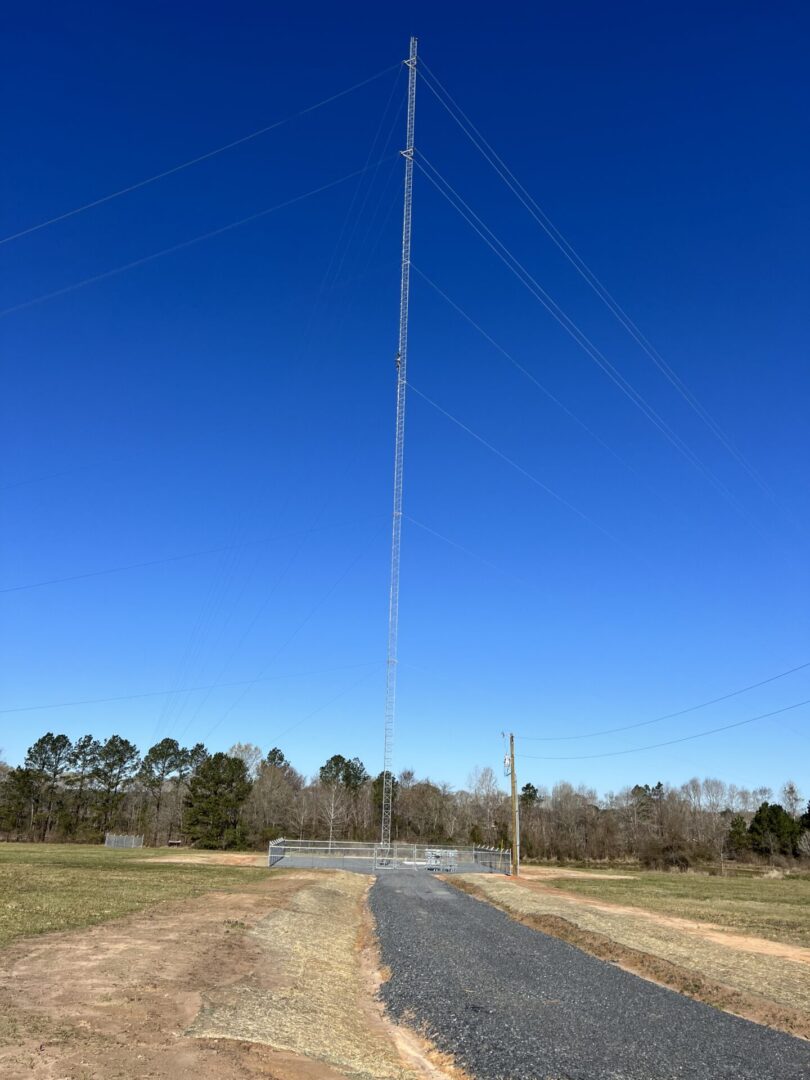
[(162, 761), (213, 805), (739, 839), (48, 758), (116, 764), (773, 831)]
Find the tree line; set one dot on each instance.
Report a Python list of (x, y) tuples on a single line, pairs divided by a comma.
[(78, 791)]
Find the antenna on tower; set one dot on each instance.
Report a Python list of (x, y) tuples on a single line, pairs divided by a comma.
[(399, 446)]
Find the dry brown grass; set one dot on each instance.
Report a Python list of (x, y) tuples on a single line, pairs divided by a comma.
[(774, 905), (769, 989), (311, 995)]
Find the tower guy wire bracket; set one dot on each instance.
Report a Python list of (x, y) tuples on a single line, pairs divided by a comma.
[(399, 445)]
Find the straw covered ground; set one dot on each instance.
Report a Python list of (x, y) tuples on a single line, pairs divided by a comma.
[(313, 995)]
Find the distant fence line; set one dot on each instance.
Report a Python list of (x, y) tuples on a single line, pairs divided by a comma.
[(120, 840)]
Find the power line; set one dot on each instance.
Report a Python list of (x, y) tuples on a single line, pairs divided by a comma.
[(49, 476), (567, 249), (518, 468), (198, 159), (184, 243), (667, 716), (183, 689), (670, 742), (167, 559)]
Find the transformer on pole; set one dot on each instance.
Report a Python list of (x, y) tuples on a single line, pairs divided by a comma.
[(396, 532)]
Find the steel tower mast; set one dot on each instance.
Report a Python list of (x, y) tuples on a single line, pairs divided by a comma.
[(399, 445)]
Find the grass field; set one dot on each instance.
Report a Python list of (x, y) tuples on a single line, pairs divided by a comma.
[(47, 887), (775, 908)]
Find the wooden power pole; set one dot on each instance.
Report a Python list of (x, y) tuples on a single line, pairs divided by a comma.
[(515, 810)]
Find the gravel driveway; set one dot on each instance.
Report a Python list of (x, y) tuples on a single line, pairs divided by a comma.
[(510, 1003)]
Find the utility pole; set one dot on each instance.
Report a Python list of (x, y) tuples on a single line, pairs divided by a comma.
[(399, 446), (515, 810)]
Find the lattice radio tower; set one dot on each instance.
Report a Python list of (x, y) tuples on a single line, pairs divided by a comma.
[(399, 446)]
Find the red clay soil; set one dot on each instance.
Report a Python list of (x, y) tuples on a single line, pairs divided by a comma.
[(114, 1001)]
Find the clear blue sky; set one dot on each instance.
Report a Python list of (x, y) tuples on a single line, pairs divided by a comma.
[(237, 395)]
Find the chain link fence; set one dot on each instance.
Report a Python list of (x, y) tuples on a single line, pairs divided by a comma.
[(120, 840), (368, 858), (493, 860), (276, 851)]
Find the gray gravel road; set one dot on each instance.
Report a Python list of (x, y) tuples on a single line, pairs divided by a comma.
[(511, 1003)]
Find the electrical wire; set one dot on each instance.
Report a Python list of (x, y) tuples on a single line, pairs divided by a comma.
[(567, 249), (168, 559), (49, 476), (669, 742), (182, 245), (667, 716), (196, 160), (518, 468), (184, 689)]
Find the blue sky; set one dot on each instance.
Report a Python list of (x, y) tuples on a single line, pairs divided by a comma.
[(232, 402)]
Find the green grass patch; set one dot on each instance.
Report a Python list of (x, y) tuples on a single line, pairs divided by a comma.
[(47, 887), (775, 908)]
